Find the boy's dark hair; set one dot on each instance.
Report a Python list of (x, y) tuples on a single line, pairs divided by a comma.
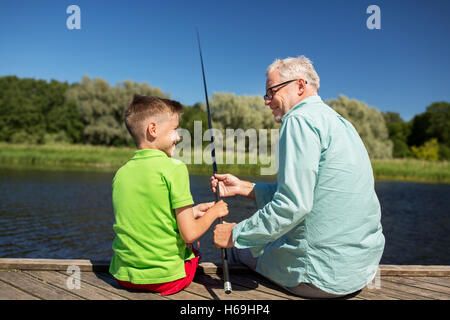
[(141, 108)]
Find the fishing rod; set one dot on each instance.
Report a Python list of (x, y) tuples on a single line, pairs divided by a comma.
[(226, 275)]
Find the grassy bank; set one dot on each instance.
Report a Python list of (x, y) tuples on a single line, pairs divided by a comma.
[(412, 170), (84, 157)]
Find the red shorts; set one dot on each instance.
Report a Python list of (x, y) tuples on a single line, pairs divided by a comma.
[(166, 288)]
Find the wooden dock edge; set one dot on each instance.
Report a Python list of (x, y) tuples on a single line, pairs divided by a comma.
[(93, 265), (204, 267)]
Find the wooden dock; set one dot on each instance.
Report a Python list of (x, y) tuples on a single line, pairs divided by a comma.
[(51, 279)]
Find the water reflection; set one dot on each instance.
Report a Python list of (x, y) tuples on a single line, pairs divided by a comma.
[(63, 214), (55, 214)]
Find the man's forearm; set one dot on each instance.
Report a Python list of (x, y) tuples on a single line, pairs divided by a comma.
[(247, 189)]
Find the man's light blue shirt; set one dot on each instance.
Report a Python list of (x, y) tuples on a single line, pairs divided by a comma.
[(321, 222)]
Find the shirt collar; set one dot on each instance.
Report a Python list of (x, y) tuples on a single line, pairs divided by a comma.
[(145, 153), (311, 99)]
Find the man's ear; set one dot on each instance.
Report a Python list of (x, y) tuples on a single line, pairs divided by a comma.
[(301, 86)]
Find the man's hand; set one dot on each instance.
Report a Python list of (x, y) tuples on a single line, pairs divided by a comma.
[(201, 208), (230, 186), (223, 235)]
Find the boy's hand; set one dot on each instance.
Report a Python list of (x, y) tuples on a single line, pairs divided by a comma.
[(201, 208), (220, 209)]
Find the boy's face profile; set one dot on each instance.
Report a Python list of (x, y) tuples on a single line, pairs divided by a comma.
[(164, 133)]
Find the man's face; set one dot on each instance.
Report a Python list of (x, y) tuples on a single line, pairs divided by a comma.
[(168, 135), (284, 97)]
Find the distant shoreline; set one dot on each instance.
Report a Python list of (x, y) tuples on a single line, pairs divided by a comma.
[(109, 159)]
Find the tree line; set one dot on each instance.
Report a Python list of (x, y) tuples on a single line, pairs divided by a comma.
[(91, 112)]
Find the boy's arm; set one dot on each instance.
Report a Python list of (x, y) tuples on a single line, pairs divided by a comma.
[(202, 208), (190, 228)]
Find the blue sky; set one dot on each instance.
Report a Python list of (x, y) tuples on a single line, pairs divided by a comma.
[(403, 67)]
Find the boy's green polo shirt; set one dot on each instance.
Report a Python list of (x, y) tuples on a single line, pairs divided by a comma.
[(148, 247)]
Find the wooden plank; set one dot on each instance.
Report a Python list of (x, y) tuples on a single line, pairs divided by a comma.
[(258, 283), (106, 281), (185, 295), (414, 287), (94, 265), (401, 294), (422, 283), (211, 287), (367, 294), (51, 264), (211, 292), (442, 281), (8, 292), (86, 290), (390, 291), (35, 287), (409, 292), (393, 292), (205, 267), (182, 295), (415, 270), (400, 282), (239, 291), (212, 268)]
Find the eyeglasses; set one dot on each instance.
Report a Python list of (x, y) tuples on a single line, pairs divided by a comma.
[(270, 92)]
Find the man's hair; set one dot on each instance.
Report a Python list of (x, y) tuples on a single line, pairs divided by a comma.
[(293, 68), (141, 108)]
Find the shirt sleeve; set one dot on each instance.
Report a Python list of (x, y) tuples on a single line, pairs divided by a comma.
[(300, 150), (264, 193), (179, 187)]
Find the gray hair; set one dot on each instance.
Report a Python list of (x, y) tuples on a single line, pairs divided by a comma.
[(292, 68)]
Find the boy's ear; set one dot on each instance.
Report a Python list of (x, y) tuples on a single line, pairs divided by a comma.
[(151, 129)]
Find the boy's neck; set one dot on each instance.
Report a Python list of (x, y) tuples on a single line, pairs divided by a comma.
[(148, 145)]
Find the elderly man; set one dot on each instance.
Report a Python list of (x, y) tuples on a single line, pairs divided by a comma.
[(317, 232)]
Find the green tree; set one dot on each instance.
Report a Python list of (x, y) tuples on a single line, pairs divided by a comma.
[(399, 132), (391, 117), (31, 110), (192, 114), (21, 117), (240, 112), (368, 122), (434, 123), (101, 107)]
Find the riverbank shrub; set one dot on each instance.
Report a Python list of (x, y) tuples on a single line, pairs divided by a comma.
[(368, 122), (89, 157), (428, 151)]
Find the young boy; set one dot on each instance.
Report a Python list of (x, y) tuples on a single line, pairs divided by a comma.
[(152, 204)]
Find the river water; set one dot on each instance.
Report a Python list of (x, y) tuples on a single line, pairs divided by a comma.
[(69, 215)]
